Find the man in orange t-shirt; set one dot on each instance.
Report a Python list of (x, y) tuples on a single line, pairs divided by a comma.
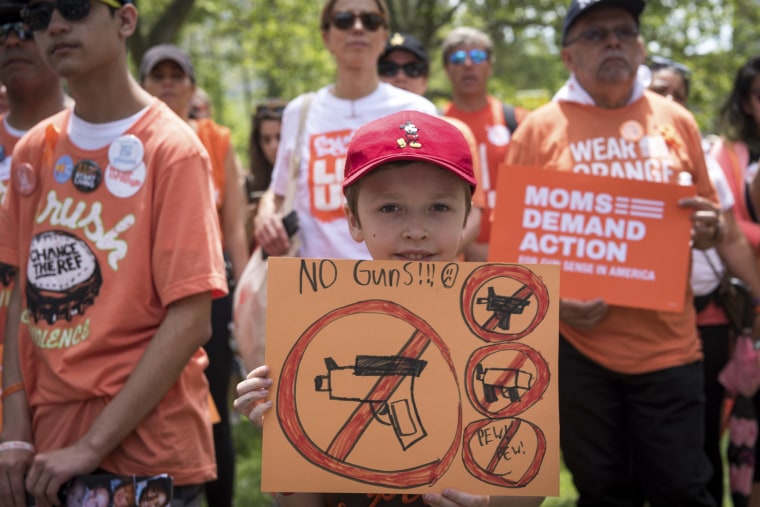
[(631, 380), (467, 60), (33, 92), (110, 221)]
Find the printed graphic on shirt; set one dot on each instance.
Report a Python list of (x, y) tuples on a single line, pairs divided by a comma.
[(63, 276), (629, 155), (76, 216), (327, 161)]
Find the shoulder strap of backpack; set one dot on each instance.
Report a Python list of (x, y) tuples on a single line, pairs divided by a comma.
[(509, 117)]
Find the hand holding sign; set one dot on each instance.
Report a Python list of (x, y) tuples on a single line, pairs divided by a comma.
[(707, 222)]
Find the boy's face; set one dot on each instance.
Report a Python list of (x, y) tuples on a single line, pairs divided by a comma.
[(414, 212)]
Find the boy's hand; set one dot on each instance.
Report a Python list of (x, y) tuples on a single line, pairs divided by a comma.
[(13, 467), (51, 470), (252, 393)]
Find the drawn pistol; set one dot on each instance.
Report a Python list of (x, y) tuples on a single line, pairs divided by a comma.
[(507, 381), (358, 383)]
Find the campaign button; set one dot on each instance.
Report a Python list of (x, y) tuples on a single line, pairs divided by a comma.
[(125, 183), (63, 169), (86, 176), (126, 153)]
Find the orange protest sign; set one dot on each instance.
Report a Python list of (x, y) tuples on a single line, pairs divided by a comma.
[(622, 240), (413, 377)]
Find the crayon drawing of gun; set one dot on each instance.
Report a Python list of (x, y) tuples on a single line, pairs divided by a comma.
[(359, 383), (504, 306), (507, 381)]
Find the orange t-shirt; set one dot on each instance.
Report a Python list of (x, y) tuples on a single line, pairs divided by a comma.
[(493, 138), (651, 139), (105, 240)]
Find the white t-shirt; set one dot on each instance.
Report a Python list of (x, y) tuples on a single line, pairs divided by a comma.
[(329, 126)]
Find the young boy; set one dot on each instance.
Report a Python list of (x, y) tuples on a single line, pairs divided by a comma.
[(408, 183), (110, 222)]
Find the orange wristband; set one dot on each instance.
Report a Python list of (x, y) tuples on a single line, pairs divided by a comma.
[(12, 389), (757, 309)]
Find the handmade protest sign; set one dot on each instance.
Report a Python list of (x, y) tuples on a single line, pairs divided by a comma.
[(394, 377), (625, 241)]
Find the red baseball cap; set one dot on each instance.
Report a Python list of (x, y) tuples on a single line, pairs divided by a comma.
[(412, 136)]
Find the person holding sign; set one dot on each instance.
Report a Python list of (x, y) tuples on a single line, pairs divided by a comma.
[(408, 193), (631, 389)]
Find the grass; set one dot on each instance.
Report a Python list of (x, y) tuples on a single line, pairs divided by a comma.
[(248, 493)]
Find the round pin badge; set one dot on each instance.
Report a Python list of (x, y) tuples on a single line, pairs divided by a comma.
[(63, 169), (126, 153), (125, 183), (3, 153), (86, 176), (24, 179)]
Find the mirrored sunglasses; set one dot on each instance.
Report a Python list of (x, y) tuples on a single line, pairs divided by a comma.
[(411, 69), (37, 16), (475, 55), (267, 109), (345, 20), (19, 27)]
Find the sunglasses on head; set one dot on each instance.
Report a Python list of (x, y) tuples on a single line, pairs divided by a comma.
[(411, 69), (37, 16), (267, 109), (19, 27), (475, 55), (661, 62), (346, 20)]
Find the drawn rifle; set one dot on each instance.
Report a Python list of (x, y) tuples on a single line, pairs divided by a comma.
[(358, 383), (507, 381), (503, 306)]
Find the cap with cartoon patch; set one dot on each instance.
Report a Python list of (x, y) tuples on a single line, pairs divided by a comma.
[(412, 136)]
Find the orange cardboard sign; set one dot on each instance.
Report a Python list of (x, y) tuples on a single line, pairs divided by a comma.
[(407, 378), (625, 241)]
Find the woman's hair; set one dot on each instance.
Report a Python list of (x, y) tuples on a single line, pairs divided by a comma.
[(735, 123), (324, 18), (260, 167)]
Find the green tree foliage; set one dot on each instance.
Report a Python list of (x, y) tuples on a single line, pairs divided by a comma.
[(247, 50)]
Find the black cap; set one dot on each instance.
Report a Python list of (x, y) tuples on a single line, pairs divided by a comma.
[(405, 42), (10, 10), (578, 7), (158, 54)]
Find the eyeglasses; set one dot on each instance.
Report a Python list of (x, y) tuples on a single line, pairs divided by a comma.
[(21, 30), (345, 20), (476, 56), (411, 69), (597, 34), (37, 16)]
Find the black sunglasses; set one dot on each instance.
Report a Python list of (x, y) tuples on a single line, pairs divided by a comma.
[(267, 109), (411, 69), (346, 20), (37, 16), (21, 30)]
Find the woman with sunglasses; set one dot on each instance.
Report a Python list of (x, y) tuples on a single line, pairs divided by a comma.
[(167, 73), (354, 32)]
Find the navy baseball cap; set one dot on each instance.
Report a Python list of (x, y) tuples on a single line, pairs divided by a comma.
[(579, 7), (405, 42)]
